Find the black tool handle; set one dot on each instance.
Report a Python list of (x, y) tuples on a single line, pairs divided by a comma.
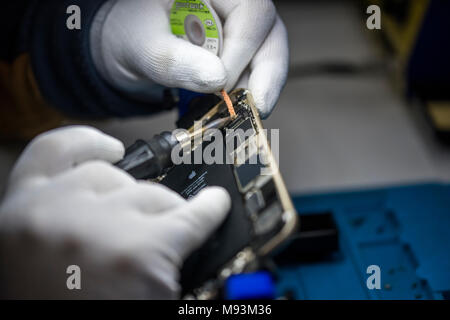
[(148, 159)]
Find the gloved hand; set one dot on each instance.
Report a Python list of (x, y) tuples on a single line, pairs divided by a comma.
[(133, 47), (67, 205)]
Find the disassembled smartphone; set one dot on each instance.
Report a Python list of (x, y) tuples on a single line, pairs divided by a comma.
[(262, 215)]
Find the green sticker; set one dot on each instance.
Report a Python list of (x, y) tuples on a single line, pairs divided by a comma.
[(195, 21)]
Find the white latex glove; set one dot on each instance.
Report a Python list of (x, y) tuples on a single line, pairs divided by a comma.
[(67, 205), (133, 47)]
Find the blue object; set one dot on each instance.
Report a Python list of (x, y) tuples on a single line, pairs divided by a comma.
[(403, 230), (258, 285), (185, 98)]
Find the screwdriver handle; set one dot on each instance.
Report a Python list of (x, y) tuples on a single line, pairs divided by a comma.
[(149, 159)]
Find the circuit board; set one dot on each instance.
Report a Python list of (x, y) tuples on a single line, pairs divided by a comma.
[(262, 215)]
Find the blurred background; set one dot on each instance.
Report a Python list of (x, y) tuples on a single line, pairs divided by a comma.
[(347, 116)]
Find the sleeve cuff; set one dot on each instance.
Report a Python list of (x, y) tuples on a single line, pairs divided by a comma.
[(65, 70)]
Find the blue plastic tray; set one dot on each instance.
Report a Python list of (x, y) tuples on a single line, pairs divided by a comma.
[(403, 230)]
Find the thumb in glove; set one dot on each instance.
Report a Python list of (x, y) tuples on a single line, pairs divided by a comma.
[(66, 205)]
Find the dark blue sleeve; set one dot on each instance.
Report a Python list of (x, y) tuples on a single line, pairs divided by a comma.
[(63, 66)]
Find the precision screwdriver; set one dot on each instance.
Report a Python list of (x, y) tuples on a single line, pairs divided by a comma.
[(148, 159)]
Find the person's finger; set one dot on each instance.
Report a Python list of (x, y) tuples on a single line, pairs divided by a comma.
[(247, 23), (177, 63), (58, 150), (154, 53), (269, 69), (146, 197), (194, 222), (97, 176)]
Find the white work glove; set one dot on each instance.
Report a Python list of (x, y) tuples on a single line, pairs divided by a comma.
[(133, 47), (67, 205)]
